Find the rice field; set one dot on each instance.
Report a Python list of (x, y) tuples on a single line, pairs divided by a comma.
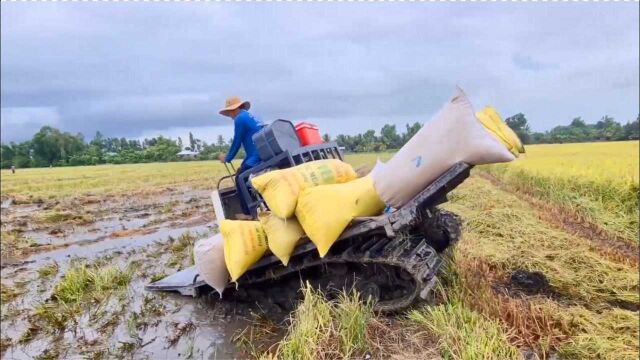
[(63, 183), (588, 309), (596, 181), (566, 212)]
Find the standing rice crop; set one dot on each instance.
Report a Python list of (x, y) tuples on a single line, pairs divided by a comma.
[(596, 181)]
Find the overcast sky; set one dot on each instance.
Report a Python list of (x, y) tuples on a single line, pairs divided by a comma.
[(143, 69)]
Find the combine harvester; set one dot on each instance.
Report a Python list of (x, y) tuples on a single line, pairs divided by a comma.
[(393, 258)]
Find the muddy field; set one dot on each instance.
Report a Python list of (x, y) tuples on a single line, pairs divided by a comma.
[(145, 237)]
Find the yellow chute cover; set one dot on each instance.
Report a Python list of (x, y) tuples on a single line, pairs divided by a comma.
[(493, 123)]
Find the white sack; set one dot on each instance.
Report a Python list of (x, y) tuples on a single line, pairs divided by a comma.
[(209, 258), (453, 134), (378, 167)]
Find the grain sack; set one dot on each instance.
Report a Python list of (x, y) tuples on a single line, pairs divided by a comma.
[(325, 211), (208, 255), (280, 188), (244, 244), (453, 134), (492, 122), (283, 235)]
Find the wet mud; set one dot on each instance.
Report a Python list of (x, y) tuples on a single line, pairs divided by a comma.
[(152, 237)]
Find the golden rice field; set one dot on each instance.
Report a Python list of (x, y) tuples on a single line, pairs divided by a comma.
[(589, 311), (597, 181)]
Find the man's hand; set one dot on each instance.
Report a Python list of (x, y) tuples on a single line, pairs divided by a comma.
[(221, 157)]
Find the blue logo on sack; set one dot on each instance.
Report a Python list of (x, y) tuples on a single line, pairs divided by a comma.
[(418, 161)]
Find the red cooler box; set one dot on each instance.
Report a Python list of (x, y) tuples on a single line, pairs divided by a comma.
[(308, 133)]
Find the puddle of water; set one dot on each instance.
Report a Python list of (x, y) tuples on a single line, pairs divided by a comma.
[(92, 250), (211, 337), (6, 203), (77, 234)]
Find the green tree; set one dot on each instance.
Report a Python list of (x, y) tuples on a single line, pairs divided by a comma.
[(411, 130), (220, 141), (192, 142), (52, 147), (632, 129), (389, 137), (7, 153), (46, 146), (518, 123), (163, 150), (539, 138), (98, 140), (609, 129)]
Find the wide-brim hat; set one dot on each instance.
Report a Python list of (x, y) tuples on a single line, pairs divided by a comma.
[(233, 103)]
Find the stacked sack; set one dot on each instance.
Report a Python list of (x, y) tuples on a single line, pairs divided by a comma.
[(245, 242), (326, 195), (280, 189), (455, 134)]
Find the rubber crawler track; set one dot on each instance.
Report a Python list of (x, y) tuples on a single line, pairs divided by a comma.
[(411, 255)]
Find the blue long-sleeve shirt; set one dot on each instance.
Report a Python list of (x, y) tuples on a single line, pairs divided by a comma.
[(245, 125)]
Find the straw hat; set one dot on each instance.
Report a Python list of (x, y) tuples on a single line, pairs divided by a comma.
[(233, 103)]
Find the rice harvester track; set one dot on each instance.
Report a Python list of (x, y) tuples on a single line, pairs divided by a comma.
[(394, 272)]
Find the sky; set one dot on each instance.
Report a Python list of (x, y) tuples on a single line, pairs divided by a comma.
[(144, 69)]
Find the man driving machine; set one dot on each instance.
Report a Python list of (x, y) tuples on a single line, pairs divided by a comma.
[(245, 125)]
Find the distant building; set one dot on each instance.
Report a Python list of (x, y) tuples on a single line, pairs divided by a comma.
[(188, 154)]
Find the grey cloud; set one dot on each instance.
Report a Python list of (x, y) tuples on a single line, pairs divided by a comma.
[(526, 62), (129, 68)]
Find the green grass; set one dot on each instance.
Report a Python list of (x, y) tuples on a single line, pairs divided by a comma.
[(327, 329), (310, 327), (48, 270), (83, 287), (55, 217), (85, 281), (54, 316), (181, 250), (352, 315), (158, 276), (464, 333)]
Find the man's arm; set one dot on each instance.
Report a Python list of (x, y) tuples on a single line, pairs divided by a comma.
[(238, 135)]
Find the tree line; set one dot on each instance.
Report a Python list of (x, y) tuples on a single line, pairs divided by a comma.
[(606, 129), (52, 147)]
